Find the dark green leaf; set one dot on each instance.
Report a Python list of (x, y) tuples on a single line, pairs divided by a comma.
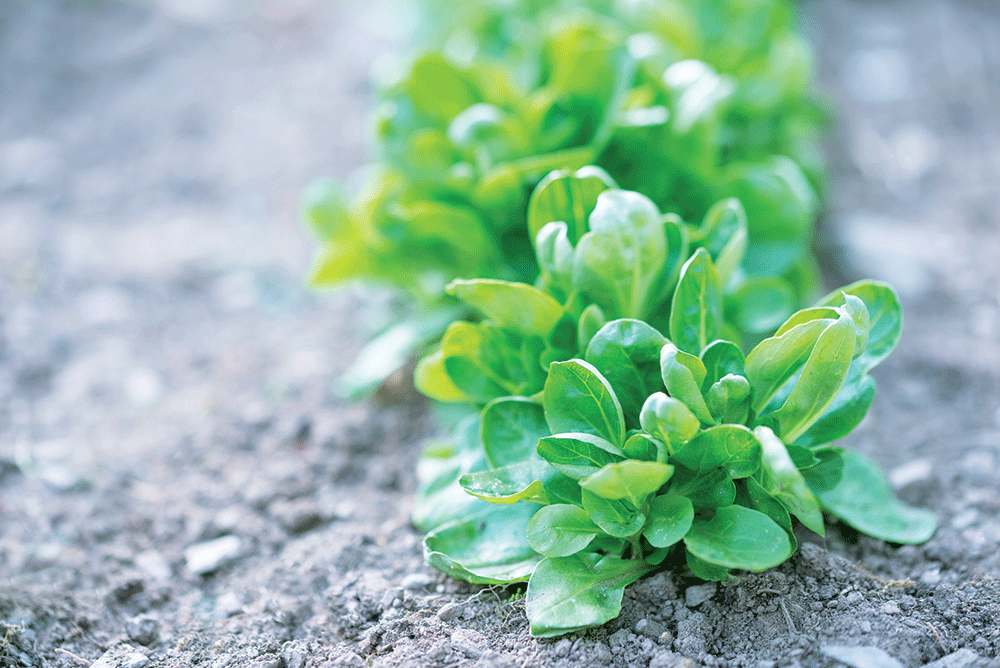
[(738, 537), (617, 517), (579, 399), (569, 197), (570, 593), (561, 530), (696, 311), (731, 448), (523, 481), (627, 353), (577, 455), (783, 481), (670, 518), (511, 427)]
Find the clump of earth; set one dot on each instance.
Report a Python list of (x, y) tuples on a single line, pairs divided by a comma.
[(179, 484)]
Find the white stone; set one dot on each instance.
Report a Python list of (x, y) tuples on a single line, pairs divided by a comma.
[(210, 555)]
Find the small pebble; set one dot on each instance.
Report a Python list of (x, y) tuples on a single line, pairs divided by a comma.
[(649, 628), (154, 564), (203, 558), (563, 647), (960, 659), (890, 608), (228, 604), (861, 657), (698, 594), (451, 611), (143, 629), (122, 656)]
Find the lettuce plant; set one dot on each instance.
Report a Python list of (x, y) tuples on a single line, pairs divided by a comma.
[(687, 103), (622, 429)]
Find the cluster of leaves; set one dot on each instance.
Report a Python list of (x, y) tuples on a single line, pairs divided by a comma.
[(605, 450), (687, 102)]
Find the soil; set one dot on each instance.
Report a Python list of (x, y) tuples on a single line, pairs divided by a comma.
[(180, 486)]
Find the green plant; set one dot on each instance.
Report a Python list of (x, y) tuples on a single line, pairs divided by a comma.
[(605, 450), (464, 138)]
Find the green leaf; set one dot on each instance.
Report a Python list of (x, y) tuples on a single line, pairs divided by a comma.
[(683, 375), (738, 537), (761, 304), (773, 361), (784, 482), (669, 420), (729, 399), (555, 253), (711, 489), (570, 593), (720, 359), (439, 498), (630, 479), (706, 571), (731, 448), (439, 90), (578, 398), (511, 427), (577, 455), (844, 414), (670, 518), (615, 516), (523, 481), (864, 500), (627, 353), (485, 362), (569, 197), (431, 379), (591, 321), (488, 548), (515, 306), (644, 448), (620, 263), (560, 530), (724, 235), (886, 318), (822, 377), (696, 311)]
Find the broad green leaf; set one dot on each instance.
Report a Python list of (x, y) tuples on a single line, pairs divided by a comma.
[(864, 500), (337, 261), (482, 363), (822, 377), (720, 359), (487, 548), (578, 398), (432, 380), (711, 489), (569, 197), (511, 427), (439, 90), (784, 482), (844, 414), (644, 448), (516, 306), (696, 311), (683, 375), (760, 499), (670, 518), (560, 530), (761, 304), (827, 474), (523, 481), (886, 318), (555, 253), (630, 479), (616, 517), (738, 537), (706, 571), (577, 455), (779, 201), (773, 361), (627, 353), (669, 420), (731, 448), (620, 263), (439, 498), (570, 593)]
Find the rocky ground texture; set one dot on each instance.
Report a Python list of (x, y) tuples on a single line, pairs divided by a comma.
[(179, 486)]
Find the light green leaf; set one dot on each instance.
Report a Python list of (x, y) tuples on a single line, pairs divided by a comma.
[(569, 197), (784, 482), (516, 306), (738, 537), (511, 427), (578, 398), (523, 481), (570, 593), (731, 448), (620, 263), (669, 420), (488, 548), (683, 375), (670, 518), (630, 479), (616, 517), (439, 90), (560, 530), (696, 311), (864, 500), (577, 455), (761, 304), (773, 361), (627, 353)]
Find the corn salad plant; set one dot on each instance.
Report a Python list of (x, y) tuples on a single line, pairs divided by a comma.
[(620, 429)]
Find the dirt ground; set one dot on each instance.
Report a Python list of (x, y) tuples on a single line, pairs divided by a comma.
[(179, 486)]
